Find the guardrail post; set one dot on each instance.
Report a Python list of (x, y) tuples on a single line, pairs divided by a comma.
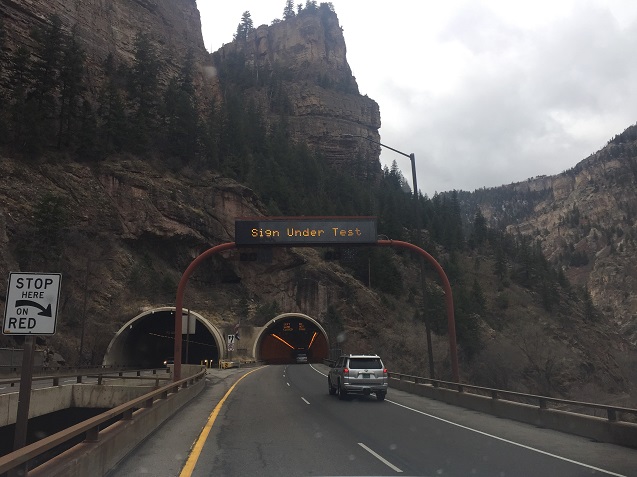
[(79, 379), (92, 435), (460, 388), (542, 403), (139, 373), (494, 394), (612, 414), (56, 382), (99, 379), (127, 415)]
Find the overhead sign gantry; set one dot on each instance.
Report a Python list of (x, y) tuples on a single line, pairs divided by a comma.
[(310, 232)]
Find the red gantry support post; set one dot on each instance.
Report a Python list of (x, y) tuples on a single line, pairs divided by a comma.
[(451, 321), (180, 300)]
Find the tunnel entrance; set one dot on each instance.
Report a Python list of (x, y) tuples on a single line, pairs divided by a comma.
[(290, 335), (148, 341)]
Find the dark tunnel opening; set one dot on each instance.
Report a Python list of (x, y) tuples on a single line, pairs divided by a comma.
[(289, 337), (149, 342)]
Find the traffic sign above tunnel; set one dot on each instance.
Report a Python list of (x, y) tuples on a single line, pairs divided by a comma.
[(305, 231)]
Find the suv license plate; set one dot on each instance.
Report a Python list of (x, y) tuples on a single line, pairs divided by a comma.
[(365, 376)]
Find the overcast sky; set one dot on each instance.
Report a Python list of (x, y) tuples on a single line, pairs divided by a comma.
[(484, 93)]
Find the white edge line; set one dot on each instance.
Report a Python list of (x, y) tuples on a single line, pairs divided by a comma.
[(498, 438), (380, 458), (305, 400), (508, 441)]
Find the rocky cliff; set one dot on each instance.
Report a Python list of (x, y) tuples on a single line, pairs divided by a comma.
[(586, 222), (305, 58), (122, 230), (110, 27)]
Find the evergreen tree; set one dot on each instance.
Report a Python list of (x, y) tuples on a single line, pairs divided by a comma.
[(500, 267), (245, 27), (477, 297), (46, 68), (71, 87), (87, 141), (25, 117), (40, 106), (479, 228), (288, 11), (143, 91), (181, 121), (113, 129), (4, 96)]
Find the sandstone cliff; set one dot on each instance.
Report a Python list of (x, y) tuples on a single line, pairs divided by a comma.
[(586, 222), (123, 230), (305, 57), (110, 27)]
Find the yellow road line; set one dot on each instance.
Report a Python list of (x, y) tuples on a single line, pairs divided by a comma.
[(189, 467)]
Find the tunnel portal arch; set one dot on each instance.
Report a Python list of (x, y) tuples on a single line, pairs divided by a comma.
[(148, 339), (288, 334)]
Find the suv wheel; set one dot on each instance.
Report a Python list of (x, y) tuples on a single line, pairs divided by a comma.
[(330, 389), (380, 396), (342, 394)]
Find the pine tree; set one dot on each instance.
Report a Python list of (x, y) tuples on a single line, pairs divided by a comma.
[(71, 87), (46, 69), (4, 119), (479, 228), (143, 90), (113, 130), (288, 11), (245, 27)]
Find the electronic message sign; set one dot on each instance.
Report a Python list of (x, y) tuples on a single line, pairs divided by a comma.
[(305, 231)]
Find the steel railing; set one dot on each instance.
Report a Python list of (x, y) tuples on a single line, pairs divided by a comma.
[(91, 427), (85, 372), (613, 413)]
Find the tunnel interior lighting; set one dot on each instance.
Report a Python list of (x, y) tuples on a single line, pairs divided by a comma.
[(312, 340), (283, 341)]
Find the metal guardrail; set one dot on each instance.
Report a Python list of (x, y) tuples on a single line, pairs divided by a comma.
[(613, 413), (86, 372), (91, 427)]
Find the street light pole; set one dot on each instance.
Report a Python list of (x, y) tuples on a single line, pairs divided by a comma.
[(412, 158)]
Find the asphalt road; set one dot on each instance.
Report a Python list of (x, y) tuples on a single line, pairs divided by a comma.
[(280, 420)]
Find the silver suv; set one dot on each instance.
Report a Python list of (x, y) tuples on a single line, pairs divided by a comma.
[(358, 374)]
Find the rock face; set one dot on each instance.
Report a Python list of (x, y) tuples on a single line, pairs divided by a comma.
[(104, 27), (586, 222), (122, 231), (317, 84)]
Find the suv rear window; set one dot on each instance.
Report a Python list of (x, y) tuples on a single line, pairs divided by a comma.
[(365, 363)]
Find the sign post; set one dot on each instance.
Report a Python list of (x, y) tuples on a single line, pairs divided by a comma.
[(31, 309)]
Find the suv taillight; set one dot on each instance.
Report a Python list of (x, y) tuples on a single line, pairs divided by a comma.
[(345, 371), (385, 371)]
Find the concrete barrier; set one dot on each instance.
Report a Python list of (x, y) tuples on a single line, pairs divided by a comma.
[(602, 430), (117, 440), (47, 400)]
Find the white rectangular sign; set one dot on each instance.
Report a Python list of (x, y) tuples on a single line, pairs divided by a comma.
[(32, 303), (188, 324)]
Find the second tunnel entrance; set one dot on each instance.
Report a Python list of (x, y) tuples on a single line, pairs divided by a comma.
[(291, 334)]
